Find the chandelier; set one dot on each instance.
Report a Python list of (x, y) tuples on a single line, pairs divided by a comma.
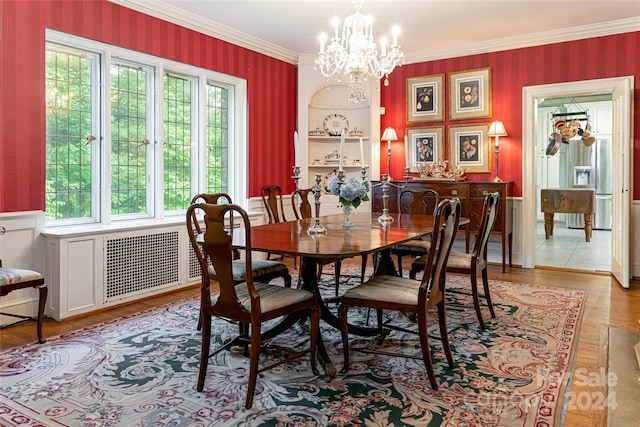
[(355, 53)]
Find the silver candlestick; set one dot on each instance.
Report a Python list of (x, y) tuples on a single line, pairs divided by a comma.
[(296, 175), (385, 219), (317, 190)]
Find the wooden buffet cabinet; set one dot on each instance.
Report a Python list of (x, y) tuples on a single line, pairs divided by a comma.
[(471, 195)]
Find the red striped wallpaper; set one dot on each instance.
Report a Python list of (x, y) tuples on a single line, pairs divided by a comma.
[(595, 58), (271, 87)]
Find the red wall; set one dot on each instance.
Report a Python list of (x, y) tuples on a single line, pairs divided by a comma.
[(596, 58), (271, 87)]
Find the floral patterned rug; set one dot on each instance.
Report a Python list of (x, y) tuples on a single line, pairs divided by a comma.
[(142, 371)]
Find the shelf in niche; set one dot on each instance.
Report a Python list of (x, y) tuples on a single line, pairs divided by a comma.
[(337, 138), (336, 167)]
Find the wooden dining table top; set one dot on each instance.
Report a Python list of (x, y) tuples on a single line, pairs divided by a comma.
[(366, 236)]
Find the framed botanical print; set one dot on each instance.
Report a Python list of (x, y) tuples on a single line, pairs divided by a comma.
[(424, 145), (470, 148), (424, 99), (470, 94)]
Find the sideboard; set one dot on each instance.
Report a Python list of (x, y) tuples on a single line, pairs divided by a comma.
[(471, 195)]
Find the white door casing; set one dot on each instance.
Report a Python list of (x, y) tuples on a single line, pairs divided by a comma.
[(531, 94)]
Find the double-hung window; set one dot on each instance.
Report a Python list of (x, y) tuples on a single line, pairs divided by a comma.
[(131, 136)]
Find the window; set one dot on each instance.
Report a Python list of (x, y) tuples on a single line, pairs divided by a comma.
[(130, 136)]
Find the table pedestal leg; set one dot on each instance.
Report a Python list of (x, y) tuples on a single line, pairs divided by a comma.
[(548, 224), (588, 226)]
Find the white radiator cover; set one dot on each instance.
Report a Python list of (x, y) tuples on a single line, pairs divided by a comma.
[(92, 269), (137, 264)]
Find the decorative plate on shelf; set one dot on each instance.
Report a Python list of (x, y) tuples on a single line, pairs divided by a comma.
[(334, 124)]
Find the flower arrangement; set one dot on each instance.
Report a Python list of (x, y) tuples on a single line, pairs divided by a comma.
[(351, 192)]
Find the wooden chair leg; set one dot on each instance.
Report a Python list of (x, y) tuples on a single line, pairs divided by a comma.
[(253, 362), (314, 319), (426, 351), (344, 330), (42, 292), (487, 296), (476, 299), (444, 333), (363, 268)]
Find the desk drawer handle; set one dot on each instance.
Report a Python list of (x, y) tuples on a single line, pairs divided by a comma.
[(485, 192), (454, 192), (2, 230)]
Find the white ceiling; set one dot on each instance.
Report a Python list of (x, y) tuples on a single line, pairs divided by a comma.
[(426, 25)]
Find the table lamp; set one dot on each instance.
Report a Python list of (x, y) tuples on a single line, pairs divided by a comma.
[(497, 129), (389, 135)]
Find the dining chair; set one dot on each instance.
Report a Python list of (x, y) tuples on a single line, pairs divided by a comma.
[(409, 296), (300, 201), (250, 303), (423, 202), (476, 261), (262, 270), (273, 205), (12, 279)]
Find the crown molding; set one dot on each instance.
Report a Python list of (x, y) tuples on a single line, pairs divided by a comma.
[(528, 40), (194, 22)]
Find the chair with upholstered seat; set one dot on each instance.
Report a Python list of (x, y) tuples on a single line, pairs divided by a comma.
[(421, 202), (409, 296), (12, 279), (476, 261), (250, 303), (302, 209), (262, 270)]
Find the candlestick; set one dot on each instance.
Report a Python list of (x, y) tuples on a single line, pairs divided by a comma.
[(407, 159), (340, 168), (296, 148), (316, 228), (361, 152)]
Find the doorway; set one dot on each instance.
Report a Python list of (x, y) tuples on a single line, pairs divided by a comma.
[(582, 160), (621, 89)]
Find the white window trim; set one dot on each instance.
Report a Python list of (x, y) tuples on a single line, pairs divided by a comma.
[(237, 185)]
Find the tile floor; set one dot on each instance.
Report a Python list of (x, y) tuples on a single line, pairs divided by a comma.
[(567, 248)]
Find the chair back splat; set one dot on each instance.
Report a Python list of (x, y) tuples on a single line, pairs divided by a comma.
[(248, 303), (475, 262), (272, 200), (392, 293)]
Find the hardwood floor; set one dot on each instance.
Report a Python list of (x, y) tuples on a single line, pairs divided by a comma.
[(607, 305)]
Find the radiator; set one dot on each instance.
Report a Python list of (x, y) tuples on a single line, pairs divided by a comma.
[(139, 264)]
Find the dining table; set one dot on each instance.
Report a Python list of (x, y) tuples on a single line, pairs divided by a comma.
[(367, 236)]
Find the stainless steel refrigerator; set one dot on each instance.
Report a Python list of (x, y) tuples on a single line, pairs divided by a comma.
[(590, 167)]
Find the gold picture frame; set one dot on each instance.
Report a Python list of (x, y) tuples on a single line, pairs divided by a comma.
[(470, 94), (425, 145), (425, 99), (470, 148)]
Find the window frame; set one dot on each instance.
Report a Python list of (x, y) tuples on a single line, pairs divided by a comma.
[(237, 128)]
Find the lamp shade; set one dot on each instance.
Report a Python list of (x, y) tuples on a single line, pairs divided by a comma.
[(390, 134), (496, 129)]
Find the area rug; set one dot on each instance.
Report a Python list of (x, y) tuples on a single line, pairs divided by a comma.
[(142, 371)]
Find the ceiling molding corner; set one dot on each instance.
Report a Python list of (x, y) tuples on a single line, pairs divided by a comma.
[(528, 40), (194, 22)]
